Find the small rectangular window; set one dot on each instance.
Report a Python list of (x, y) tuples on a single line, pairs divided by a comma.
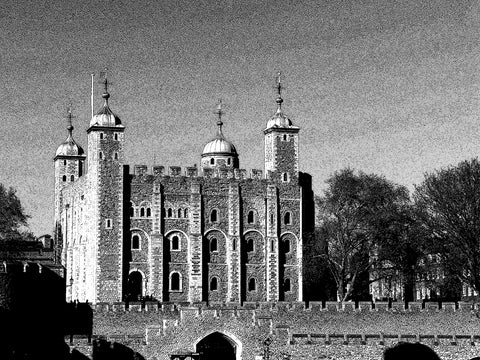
[(108, 223)]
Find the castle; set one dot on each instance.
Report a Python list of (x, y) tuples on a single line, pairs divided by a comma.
[(204, 234)]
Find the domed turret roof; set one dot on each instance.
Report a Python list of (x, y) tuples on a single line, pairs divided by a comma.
[(69, 147), (219, 145), (105, 116)]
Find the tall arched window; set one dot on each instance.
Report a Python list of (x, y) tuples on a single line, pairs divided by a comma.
[(149, 212), (169, 213), (214, 215), (213, 245), (175, 282), (286, 246), (287, 218), (179, 213), (252, 284), (251, 217), (115, 156), (212, 161), (214, 284), (185, 213), (286, 285), (175, 243), (135, 242), (64, 178), (72, 178), (142, 212)]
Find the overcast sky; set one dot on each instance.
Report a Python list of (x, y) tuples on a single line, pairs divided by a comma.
[(386, 87)]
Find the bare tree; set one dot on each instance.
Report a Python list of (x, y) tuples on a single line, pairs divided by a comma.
[(352, 216), (449, 203)]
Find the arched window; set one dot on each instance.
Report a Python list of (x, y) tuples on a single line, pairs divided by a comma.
[(142, 212), (251, 217), (175, 282), (101, 136), (179, 213), (169, 212), (284, 137), (285, 177), (287, 218), (213, 245), (64, 178), (286, 285), (149, 212), (115, 136), (286, 246), (115, 156), (214, 284), (250, 246), (185, 213), (252, 284), (228, 161), (72, 178), (135, 242), (175, 243), (214, 215), (212, 161), (65, 162), (100, 155)]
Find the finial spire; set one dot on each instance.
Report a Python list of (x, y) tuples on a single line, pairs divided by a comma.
[(69, 121), (219, 113), (279, 92), (105, 82)]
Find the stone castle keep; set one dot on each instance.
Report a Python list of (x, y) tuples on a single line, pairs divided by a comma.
[(208, 234)]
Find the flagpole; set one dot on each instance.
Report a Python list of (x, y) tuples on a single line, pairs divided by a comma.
[(92, 93)]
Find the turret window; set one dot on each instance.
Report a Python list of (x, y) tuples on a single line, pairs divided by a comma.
[(115, 156), (100, 155), (64, 178), (251, 217), (108, 223), (285, 177), (252, 284), (287, 218), (185, 213), (175, 282), (284, 137), (175, 243), (212, 161), (214, 284), (214, 245), (169, 213), (149, 212), (250, 245), (72, 178), (101, 136), (214, 215), (115, 136), (228, 161), (65, 162), (142, 212), (135, 242)]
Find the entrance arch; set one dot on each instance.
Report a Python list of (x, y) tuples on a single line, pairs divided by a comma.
[(135, 286), (217, 346)]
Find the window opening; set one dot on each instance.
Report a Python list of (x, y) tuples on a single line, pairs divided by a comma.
[(214, 284), (175, 281), (213, 215), (142, 212), (287, 218), (175, 245), (213, 245), (64, 178), (286, 285), (250, 246), (179, 213), (251, 217), (135, 242), (252, 284), (169, 213), (149, 212), (72, 178)]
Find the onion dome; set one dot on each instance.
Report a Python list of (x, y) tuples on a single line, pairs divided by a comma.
[(105, 116), (219, 145), (279, 120), (69, 147)]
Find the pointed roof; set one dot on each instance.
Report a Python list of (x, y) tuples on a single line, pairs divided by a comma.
[(105, 116), (219, 144), (279, 119), (69, 147)]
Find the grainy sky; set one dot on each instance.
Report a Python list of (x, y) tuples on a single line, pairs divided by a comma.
[(389, 87)]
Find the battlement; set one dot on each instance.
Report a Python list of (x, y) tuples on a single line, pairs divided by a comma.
[(193, 171), (260, 308)]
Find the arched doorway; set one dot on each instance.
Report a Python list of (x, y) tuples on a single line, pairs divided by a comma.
[(135, 280), (216, 346)]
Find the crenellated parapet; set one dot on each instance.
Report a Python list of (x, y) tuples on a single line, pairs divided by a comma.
[(193, 172)]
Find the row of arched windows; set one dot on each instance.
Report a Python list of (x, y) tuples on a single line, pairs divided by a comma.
[(172, 213), (64, 178), (144, 211), (101, 156), (115, 136)]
